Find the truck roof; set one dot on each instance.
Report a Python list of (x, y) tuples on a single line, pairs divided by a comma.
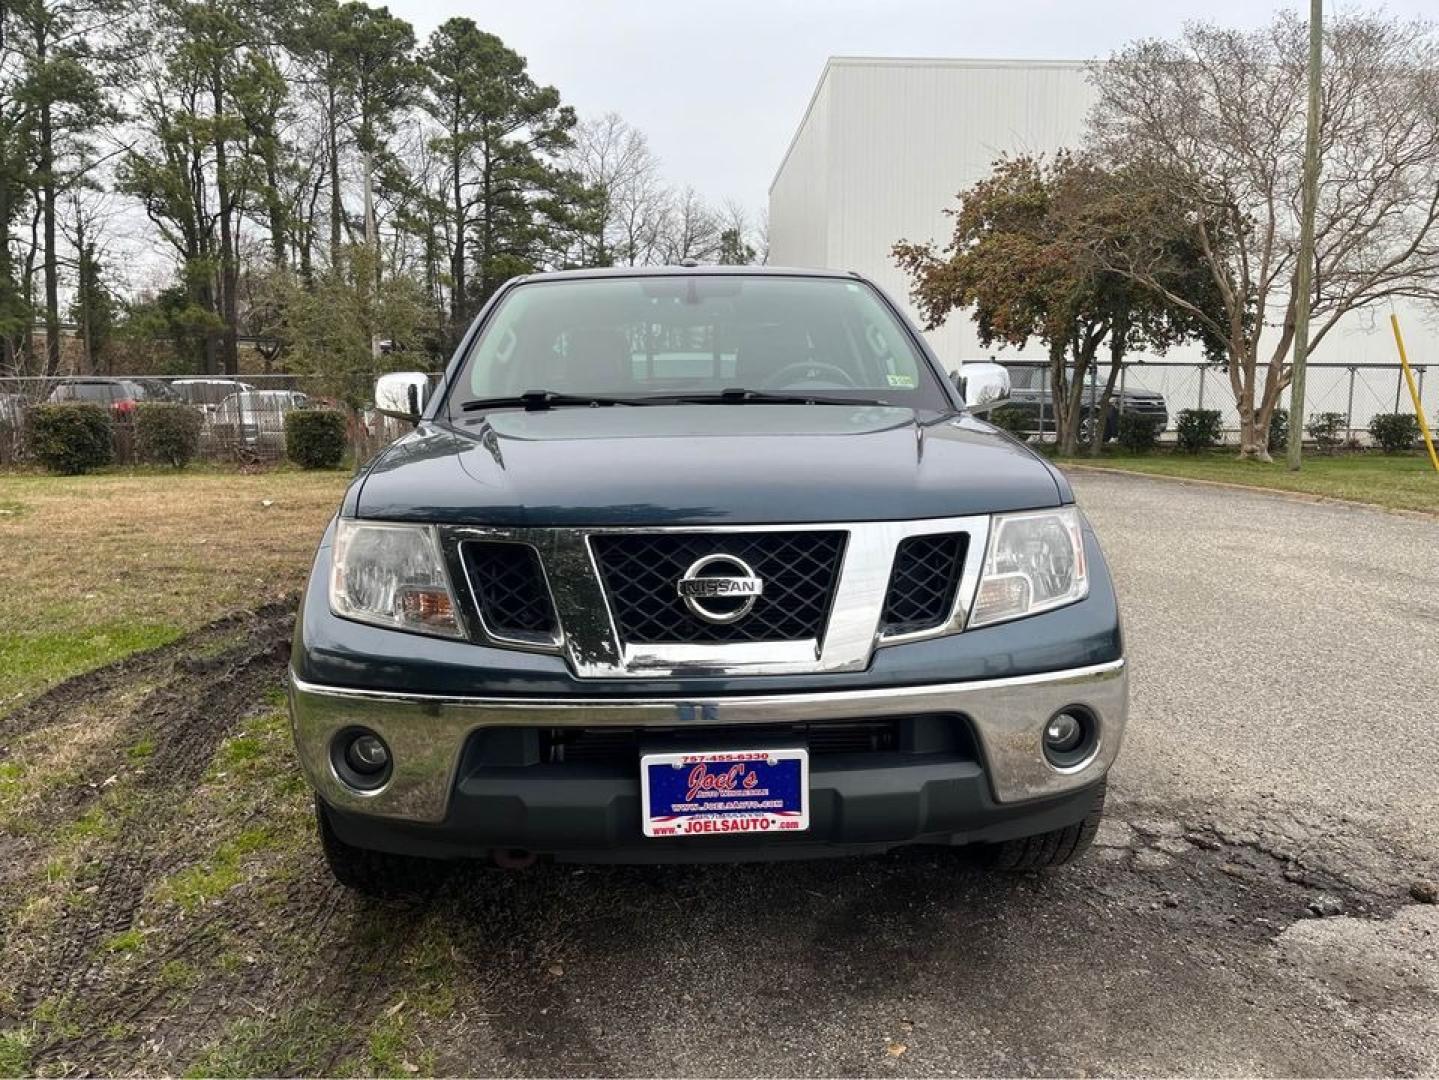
[(706, 271)]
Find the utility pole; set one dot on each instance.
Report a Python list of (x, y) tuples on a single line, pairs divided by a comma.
[(1304, 282)]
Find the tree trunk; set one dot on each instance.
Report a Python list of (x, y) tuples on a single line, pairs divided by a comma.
[(372, 237), (276, 210), (229, 264), (7, 281), (51, 257), (333, 142), (1059, 396), (457, 253), (308, 233), (487, 230), (82, 293), (1118, 338)]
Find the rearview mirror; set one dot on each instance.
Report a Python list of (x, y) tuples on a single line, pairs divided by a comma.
[(983, 385), (402, 394)]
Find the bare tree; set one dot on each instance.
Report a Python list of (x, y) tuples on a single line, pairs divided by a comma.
[(642, 210), (691, 230), (614, 160), (1217, 118), (735, 248)]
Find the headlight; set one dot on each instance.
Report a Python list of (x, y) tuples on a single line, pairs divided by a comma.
[(392, 575), (1035, 562)]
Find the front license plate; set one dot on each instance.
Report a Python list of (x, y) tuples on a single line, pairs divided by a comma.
[(725, 792)]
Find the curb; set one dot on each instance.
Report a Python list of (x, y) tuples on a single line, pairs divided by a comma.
[(1298, 496)]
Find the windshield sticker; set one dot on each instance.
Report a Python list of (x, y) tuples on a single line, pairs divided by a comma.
[(904, 381)]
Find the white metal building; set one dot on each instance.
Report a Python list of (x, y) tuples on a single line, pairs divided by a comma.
[(886, 144)]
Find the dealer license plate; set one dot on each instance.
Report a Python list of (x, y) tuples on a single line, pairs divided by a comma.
[(725, 792)]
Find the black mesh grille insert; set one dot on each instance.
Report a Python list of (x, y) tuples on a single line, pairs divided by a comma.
[(641, 572), (509, 588), (923, 582)]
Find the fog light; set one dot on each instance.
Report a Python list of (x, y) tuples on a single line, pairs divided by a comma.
[(367, 754), (1070, 737), (1063, 732)]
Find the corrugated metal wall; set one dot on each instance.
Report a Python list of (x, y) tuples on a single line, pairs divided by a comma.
[(799, 217), (887, 143)]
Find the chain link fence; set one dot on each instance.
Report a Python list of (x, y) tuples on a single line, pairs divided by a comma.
[(1357, 392), (242, 419)]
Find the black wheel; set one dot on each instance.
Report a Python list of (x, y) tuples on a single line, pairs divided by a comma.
[(1052, 848), (377, 873), (1086, 427)]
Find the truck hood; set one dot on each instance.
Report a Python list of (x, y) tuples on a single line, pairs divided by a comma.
[(702, 464)]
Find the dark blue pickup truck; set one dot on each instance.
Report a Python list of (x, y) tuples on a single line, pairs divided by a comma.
[(701, 565)]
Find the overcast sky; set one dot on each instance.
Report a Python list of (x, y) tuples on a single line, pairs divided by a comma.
[(719, 86)]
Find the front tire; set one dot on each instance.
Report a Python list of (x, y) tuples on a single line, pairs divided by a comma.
[(377, 874), (1053, 848)]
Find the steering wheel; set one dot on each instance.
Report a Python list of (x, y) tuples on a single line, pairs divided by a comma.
[(809, 368)]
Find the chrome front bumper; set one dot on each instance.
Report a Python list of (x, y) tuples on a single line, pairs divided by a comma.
[(427, 733)]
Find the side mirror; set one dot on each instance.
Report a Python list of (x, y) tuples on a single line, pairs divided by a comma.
[(983, 384), (402, 394)]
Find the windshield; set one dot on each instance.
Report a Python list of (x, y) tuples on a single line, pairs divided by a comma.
[(697, 334)]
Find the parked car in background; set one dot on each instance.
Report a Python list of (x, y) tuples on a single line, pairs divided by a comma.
[(255, 417), (155, 390), (206, 394), (121, 395), (1031, 395)]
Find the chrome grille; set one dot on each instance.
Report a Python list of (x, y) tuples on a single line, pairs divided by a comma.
[(640, 571)]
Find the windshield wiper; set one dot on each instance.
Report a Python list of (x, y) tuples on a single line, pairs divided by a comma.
[(540, 400), (737, 396)]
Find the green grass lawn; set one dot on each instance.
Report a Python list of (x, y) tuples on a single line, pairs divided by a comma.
[(1406, 482), (100, 566)]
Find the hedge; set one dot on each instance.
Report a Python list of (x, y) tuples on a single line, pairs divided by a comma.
[(72, 437), (315, 438), (1396, 433), (1197, 429), (168, 432), (1138, 432), (1278, 430), (1326, 429), (1014, 421)]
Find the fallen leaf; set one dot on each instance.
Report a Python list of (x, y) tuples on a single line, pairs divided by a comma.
[(396, 1007), (896, 1049), (556, 970)]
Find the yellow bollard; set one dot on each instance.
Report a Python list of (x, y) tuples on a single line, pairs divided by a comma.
[(1413, 391)]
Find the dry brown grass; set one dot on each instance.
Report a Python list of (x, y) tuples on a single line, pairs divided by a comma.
[(98, 566)]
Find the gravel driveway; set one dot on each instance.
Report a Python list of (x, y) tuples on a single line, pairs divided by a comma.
[(1247, 908)]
